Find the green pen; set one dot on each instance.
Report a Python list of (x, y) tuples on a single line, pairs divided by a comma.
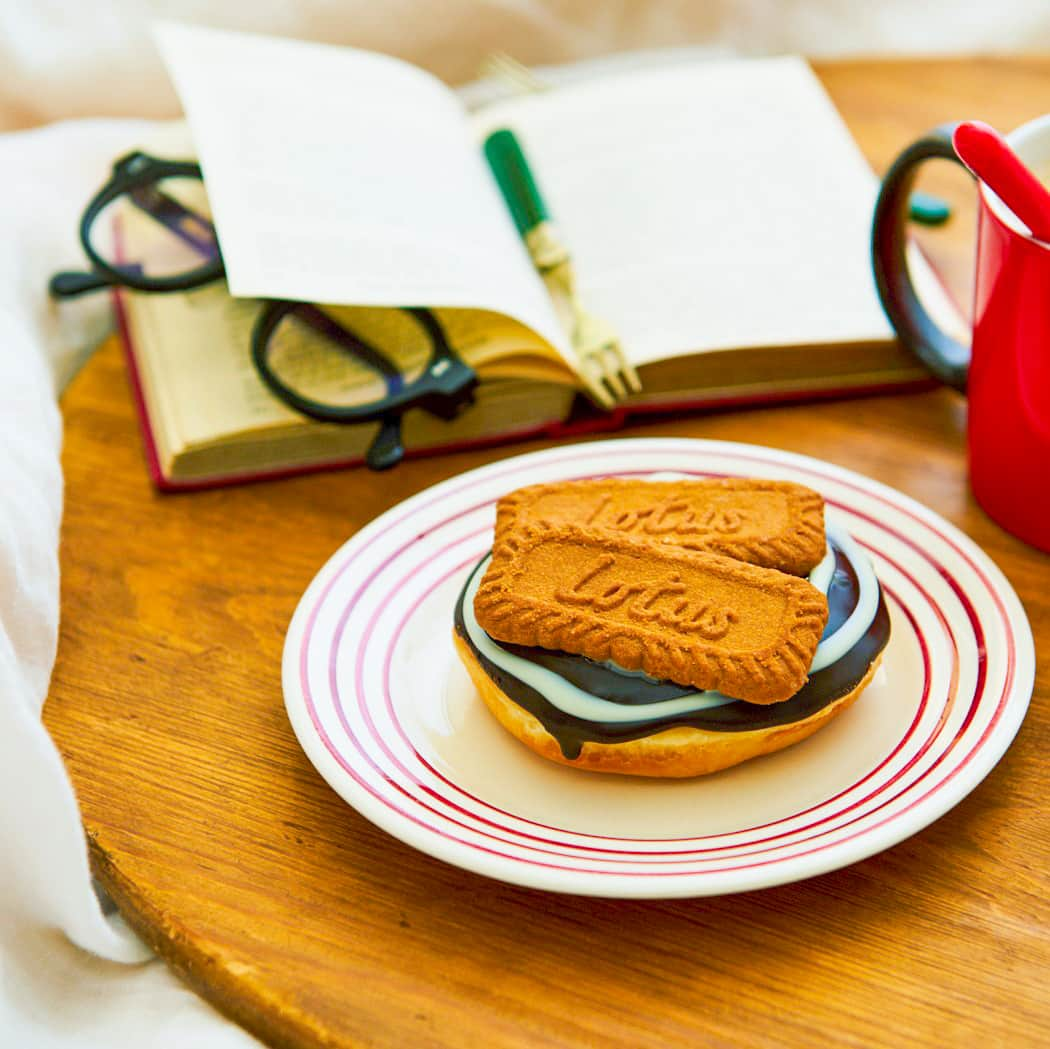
[(605, 371), (527, 207)]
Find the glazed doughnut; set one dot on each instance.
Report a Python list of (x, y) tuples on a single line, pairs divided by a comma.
[(597, 716)]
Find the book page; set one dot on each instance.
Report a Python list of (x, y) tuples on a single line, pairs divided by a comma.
[(707, 206), (196, 346), (347, 177), (210, 416)]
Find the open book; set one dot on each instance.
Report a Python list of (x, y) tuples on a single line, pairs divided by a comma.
[(718, 216)]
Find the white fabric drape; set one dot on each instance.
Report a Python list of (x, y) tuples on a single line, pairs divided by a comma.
[(64, 977)]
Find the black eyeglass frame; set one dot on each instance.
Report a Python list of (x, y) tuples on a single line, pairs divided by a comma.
[(444, 388), (135, 170)]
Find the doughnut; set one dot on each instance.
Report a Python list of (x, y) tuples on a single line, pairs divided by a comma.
[(600, 716)]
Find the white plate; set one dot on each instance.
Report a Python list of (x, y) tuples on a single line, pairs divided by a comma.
[(387, 714)]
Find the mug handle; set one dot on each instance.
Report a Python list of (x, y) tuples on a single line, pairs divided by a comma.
[(943, 355)]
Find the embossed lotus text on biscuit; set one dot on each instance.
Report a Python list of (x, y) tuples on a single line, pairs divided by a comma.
[(665, 602), (691, 616), (659, 591), (667, 517), (774, 524)]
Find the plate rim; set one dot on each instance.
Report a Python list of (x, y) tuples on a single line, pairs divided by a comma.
[(891, 831)]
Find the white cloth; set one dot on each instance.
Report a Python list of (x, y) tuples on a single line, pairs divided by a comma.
[(64, 977), (52, 993)]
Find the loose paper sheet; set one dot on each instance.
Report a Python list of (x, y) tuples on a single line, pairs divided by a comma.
[(343, 176)]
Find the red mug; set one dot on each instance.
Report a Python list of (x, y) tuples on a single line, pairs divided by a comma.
[(1006, 370)]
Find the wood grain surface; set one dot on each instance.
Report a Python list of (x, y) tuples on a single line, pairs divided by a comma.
[(302, 921)]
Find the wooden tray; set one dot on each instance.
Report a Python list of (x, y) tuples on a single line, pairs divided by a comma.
[(309, 926)]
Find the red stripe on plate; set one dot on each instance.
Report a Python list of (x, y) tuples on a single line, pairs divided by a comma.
[(974, 619)]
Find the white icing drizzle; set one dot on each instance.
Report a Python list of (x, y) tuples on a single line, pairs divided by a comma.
[(624, 672), (566, 696), (820, 577), (833, 648), (574, 701)]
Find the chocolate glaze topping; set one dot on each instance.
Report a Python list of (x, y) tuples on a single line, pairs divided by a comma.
[(822, 688)]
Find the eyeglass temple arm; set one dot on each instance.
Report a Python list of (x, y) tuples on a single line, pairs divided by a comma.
[(71, 283), (387, 449)]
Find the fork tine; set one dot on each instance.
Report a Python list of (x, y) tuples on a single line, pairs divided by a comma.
[(625, 373), (598, 350), (613, 379), (593, 374), (627, 370), (600, 393)]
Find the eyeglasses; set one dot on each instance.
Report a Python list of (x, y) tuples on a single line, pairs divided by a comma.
[(311, 359)]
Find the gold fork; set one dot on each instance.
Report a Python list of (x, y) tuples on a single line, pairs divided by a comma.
[(606, 373), (598, 347)]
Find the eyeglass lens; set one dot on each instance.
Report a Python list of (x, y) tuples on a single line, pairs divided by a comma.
[(345, 357), (159, 230)]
